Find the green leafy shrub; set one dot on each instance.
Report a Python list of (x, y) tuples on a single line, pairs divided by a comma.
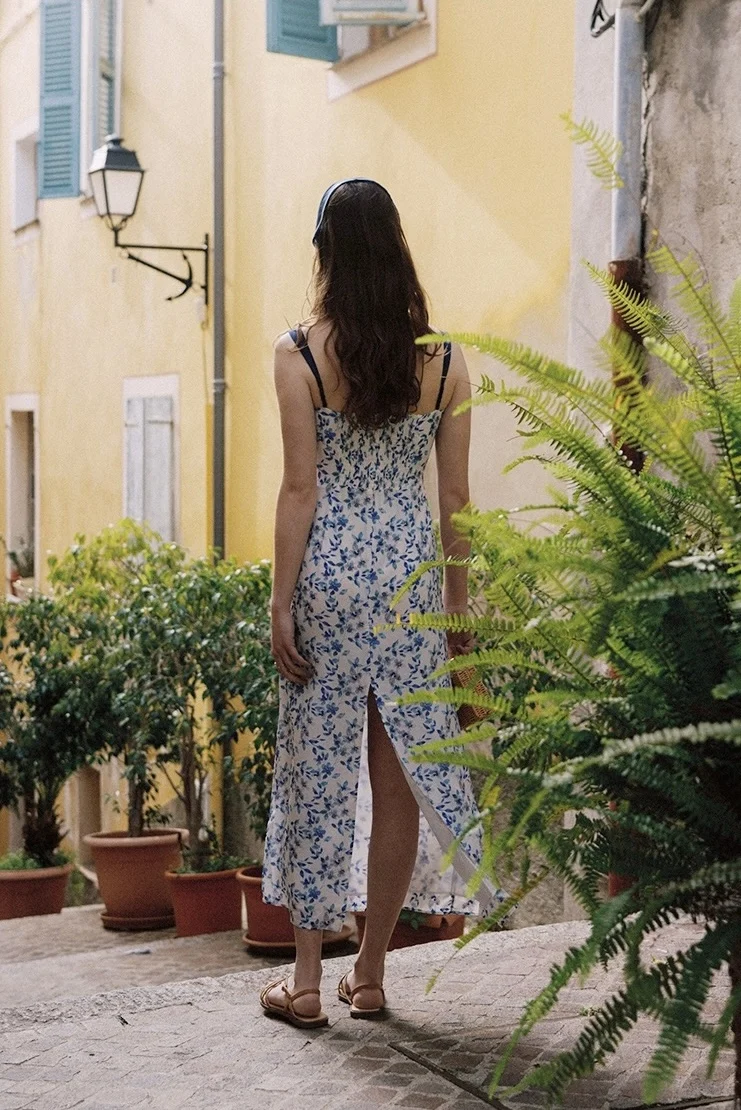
[(611, 648), (21, 861), (54, 711), (187, 643)]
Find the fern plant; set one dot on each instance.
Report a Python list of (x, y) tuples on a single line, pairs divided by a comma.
[(609, 639)]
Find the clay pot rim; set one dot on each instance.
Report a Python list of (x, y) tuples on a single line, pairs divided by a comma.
[(177, 876), (250, 880), (433, 920), (152, 838), (8, 875)]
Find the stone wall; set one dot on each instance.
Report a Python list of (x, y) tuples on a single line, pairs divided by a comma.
[(692, 142), (693, 136)]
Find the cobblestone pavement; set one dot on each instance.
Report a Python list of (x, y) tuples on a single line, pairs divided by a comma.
[(70, 954), (204, 1043)]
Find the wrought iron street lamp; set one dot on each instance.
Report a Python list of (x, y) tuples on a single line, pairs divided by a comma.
[(116, 179)]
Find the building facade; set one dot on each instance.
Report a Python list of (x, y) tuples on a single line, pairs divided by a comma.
[(107, 385)]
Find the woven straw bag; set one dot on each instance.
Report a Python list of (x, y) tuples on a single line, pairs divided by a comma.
[(466, 679)]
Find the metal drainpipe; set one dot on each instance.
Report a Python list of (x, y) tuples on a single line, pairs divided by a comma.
[(219, 384), (627, 223), (229, 801), (627, 229)]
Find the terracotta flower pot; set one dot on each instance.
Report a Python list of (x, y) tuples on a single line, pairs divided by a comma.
[(205, 902), (433, 927), (269, 927), (37, 891), (131, 876)]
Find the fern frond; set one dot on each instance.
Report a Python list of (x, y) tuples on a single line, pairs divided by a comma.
[(679, 585), (693, 292), (643, 315), (603, 150), (680, 1017), (420, 571), (726, 732), (734, 322)]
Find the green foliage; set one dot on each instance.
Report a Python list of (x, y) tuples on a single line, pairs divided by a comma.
[(54, 711), (609, 639), (148, 655), (187, 642), (21, 861), (603, 150), (216, 860)]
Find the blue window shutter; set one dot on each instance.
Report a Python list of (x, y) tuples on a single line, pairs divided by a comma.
[(294, 28), (59, 147)]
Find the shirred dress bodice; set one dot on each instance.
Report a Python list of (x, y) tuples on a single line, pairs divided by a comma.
[(386, 458)]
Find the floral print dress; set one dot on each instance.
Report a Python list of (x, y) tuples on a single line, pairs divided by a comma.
[(372, 528)]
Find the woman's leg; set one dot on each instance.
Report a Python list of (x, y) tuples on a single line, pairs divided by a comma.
[(307, 974), (391, 855)]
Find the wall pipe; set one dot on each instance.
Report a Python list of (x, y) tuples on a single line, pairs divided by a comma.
[(628, 112), (231, 810), (627, 221), (219, 380)]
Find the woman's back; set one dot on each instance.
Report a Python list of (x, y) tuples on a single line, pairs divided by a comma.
[(318, 341)]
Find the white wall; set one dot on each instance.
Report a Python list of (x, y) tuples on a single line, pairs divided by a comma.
[(589, 315)]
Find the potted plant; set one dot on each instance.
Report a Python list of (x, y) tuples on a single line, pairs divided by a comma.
[(200, 645), (53, 710), (108, 578), (22, 573), (414, 927)]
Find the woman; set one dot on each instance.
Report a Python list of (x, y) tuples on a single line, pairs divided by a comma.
[(361, 405)]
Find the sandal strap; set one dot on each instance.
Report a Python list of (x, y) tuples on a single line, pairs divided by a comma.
[(299, 994), (365, 987)]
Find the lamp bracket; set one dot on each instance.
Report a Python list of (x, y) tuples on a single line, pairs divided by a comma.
[(187, 280)]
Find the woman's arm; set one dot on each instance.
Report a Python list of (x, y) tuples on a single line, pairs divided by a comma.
[(295, 507), (451, 449)]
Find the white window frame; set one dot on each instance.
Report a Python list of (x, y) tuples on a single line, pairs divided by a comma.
[(340, 12), (89, 87), (22, 402), (24, 142), (160, 385), (360, 64)]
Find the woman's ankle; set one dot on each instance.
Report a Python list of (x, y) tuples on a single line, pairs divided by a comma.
[(363, 972), (306, 977)]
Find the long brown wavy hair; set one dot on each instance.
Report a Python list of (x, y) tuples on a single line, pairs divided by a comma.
[(366, 287)]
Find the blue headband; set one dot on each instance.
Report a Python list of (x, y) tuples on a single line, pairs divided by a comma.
[(329, 193)]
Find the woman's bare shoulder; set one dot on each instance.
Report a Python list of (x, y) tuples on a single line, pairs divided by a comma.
[(285, 342)]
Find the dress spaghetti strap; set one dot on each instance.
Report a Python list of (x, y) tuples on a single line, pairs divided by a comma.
[(448, 350), (304, 349)]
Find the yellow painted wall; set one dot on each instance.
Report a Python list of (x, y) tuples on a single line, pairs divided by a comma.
[(76, 319), (468, 142), (470, 146)]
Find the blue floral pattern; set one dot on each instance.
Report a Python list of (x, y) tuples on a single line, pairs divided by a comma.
[(372, 528)]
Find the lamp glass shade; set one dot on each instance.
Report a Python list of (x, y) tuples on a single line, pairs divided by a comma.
[(116, 178), (116, 192)]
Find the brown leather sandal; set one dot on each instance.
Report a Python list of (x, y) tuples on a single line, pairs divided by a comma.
[(346, 995), (287, 1012)]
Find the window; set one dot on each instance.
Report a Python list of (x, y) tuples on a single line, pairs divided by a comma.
[(150, 464), (366, 39), (100, 85), (294, 27), (25, 145), (60, 98), (21, 495), (104, 62), (370, 52), (370, 11)]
